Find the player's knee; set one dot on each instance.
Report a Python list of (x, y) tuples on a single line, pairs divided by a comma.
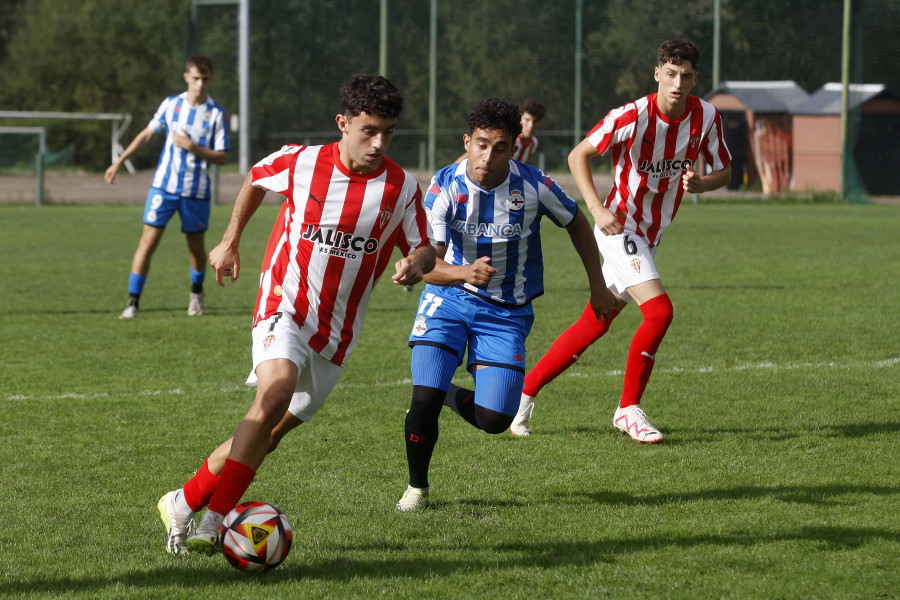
[(491, 421), (424, 409), (659, 310)]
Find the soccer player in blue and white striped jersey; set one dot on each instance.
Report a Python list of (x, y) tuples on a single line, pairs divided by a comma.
[(485, 213), (196, 135)]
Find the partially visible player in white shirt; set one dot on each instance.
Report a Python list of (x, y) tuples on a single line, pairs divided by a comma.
[(196, 135), (655, 143), (347, 206)]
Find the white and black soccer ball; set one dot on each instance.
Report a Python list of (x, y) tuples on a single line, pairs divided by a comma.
[(256, 537)]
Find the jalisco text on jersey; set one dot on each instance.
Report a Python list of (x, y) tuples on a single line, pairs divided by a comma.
[(339, 239), (506, 230), (661, 166)]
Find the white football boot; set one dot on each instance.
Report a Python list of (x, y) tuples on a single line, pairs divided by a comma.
[(130, 312), (519, 426), (633, 421), (178, 528), (197, 305), (206, 539), (413, 499)]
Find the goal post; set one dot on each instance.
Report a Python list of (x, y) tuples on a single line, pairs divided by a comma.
[(41, 132), (120, 122)]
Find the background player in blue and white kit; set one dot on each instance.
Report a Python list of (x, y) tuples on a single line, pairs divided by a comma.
[(485, 213), (196, 135)]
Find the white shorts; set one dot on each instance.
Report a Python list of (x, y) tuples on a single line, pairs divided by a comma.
[(279, 337), (627, 261)]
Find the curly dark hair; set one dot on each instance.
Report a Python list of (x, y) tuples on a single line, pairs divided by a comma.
[(534, 108), (496, 114), (373, 95), (677, 51)]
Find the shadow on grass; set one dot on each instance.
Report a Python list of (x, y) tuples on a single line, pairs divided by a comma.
[(687, 437), (385, 562), (822, 495), (842, 430)]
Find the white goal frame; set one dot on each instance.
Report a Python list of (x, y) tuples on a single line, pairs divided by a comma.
[(120, 122), (41, 132)]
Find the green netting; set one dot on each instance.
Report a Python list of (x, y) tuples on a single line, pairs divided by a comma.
[(301, 52)]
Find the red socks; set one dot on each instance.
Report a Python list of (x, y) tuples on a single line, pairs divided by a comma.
[(199, 489), (657, 317), (233, 482), (566, 349)]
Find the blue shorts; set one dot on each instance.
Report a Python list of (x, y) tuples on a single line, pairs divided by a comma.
[(161, 205), (452, 320)]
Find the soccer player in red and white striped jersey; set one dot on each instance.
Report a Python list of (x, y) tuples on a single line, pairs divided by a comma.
[(346, 207), (655, 143)]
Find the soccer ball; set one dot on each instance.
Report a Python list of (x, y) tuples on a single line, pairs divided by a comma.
[(256, 537)]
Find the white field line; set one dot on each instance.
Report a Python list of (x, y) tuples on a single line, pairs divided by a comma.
[(763, 366)]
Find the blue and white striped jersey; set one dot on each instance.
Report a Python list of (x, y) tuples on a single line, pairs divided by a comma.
[(179, 171), (502, 223)]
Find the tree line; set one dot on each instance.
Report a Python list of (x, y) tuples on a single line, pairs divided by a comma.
[(126, 55)]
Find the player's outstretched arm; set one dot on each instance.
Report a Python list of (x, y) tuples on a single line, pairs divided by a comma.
[(602, 300), (411, 269), (580, 166), (225, 258), (136, 144)]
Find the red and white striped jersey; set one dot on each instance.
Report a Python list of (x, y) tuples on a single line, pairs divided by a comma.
[(332, 240), (649, 153), (523, 150)]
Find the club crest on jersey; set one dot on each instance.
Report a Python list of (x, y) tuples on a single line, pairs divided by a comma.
[(636, 264), (515, 200), (694, 142), (384, 217), (268, 341), (419, 327)]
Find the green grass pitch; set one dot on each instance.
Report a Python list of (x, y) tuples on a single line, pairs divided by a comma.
[(777, 388)]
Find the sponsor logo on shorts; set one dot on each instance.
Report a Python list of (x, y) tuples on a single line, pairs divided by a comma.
[(268, 341), (636, 264), (419, 328), (518, 357)]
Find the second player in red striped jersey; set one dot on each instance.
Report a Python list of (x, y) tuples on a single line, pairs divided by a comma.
[(656, 143)]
